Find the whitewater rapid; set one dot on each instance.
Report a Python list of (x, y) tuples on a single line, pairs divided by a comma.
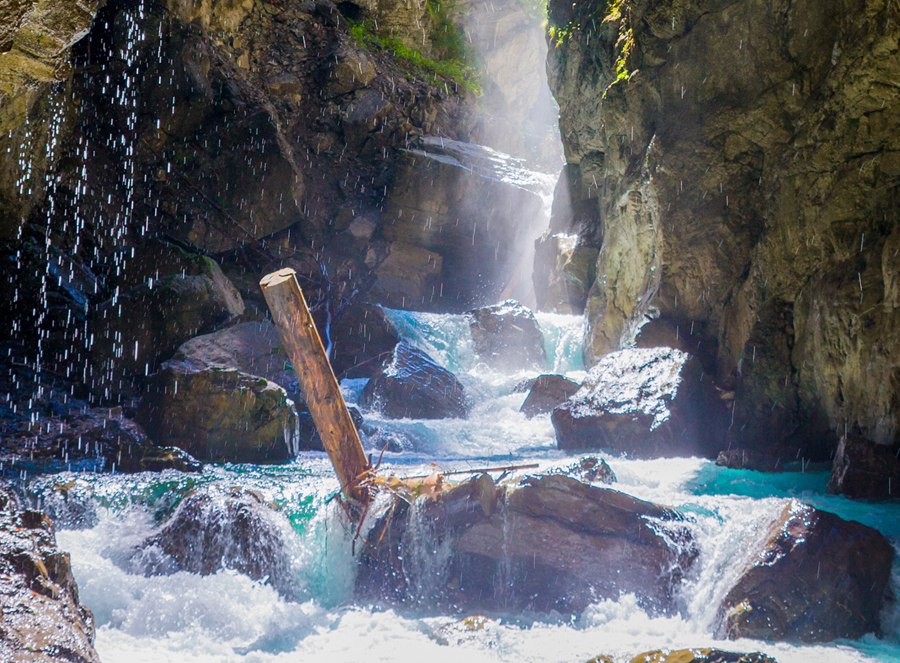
[(227, 617)]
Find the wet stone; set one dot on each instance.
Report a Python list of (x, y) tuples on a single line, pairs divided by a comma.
[(40, 615), (816, 578), (645, 403), (547, 392), (507, 336), (552, 543), (220, 528), (413, 386)]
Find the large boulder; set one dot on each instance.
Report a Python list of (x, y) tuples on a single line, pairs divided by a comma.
[(215, 529), (815, 578), (551, 543), (41, 618), (645, 403), (547, 392), (507, 335), (219, 414), (413, 386), (864, 469), (250, 347)]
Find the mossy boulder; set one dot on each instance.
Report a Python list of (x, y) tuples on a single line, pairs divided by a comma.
[(219, 415)]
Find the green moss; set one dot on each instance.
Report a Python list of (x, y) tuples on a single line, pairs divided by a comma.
[(432, 70), (447, 41)]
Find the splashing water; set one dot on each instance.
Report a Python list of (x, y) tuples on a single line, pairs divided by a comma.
[(183, 617)]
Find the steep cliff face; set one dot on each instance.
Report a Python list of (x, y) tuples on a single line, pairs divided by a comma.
[(740, 164), (247, 134), (158, 156)]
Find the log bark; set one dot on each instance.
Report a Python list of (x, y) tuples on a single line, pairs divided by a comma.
[(295, 324)]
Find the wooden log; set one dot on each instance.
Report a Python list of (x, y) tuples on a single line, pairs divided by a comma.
[(320, 388)]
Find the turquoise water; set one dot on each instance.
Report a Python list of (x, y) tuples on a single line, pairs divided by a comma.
[(227, 617)]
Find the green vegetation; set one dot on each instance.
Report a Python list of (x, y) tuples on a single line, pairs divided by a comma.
[(454, 68), (535, 8), (617, 13), (447, 41)]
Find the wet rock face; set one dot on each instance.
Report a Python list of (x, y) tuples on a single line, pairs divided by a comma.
[(469, 205), (546, 393), (816, 578), (507, 336), (751, 192), (644, 403), (413, 386), (167, 296), (219, 414), (89, 439), (865, 470), (553, 543), (252, 149), (215, 529), (42, 619)]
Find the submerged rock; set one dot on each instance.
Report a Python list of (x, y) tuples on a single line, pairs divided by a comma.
[(413, 386), (547, 392), (219, 415), (41, 618), (645, 403), (816, 578), (864, 469), (551, 543), (215, 529), (701, 655), (507, 336)]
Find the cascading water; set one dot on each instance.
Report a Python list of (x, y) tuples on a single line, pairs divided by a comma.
[(183, 616)]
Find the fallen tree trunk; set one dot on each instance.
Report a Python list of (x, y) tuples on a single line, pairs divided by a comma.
[(317, 381)]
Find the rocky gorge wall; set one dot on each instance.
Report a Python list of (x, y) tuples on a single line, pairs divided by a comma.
[(736, 165), (157, 157)]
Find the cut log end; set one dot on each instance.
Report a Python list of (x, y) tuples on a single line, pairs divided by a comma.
[(277, 278)]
